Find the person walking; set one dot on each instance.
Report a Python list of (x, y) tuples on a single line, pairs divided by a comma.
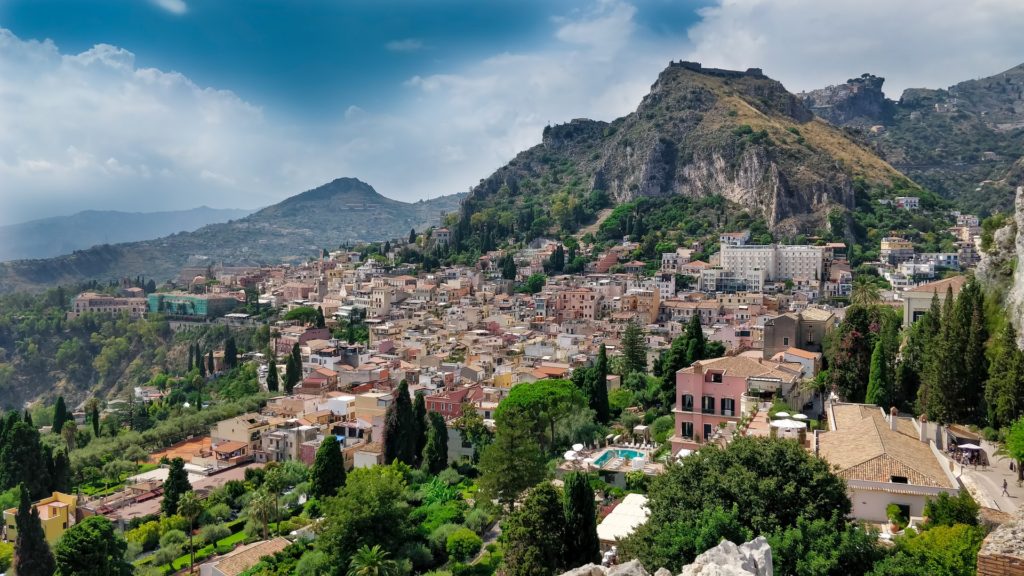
[(1005, 493)]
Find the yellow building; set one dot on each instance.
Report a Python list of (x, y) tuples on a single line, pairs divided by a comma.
[(56, 514)]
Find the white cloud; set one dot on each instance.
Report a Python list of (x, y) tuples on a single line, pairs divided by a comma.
[(912, 43), (405, 45), (176, 7)]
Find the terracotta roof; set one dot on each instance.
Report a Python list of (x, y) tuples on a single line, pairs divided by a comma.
[(744, 367), (939, 287), (228, 447), (863, 447), (247, 556), (802, 353)]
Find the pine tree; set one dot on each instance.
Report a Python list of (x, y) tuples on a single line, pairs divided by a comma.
[(272, 378), (327, 475), (176, 484), (230, 353), (420, 425), (634, 348), (534, 534), (513, 461), (32, 556), (60, 415), (581, 545), (321, 322), (877, 393), (1004, 390), (435, 452)]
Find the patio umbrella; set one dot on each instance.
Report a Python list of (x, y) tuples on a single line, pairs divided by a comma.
[(970, 447), (577, 447), (788, 424), (782, 414), (800, 416), (570, 455)]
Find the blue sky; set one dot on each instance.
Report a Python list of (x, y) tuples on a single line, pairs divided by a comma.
[(164, 104)]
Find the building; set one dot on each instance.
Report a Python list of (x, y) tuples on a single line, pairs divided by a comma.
[(56, 514), (709, 393), (885, 459), (907, 202), (284, 443), (200, 306), (238, 439), (917, 301), (102, 304), (777, 261), (894, 250), (243, 558), (734, 238), (805, 330)]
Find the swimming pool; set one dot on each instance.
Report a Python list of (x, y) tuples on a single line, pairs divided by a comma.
[(617, 453)]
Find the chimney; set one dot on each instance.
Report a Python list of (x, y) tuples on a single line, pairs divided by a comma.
[(893, 414), (923, 430)]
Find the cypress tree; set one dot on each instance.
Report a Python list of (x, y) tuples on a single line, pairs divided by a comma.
[(696, 343), (412, 236), (96, 420), (23, 461), (435, 452), (534, 533), (405, 418), (321, 322), (32, 556), (200, 363), (292, 374), (272, 378), (327, 475), (230, 353), (392, 435), (420, 425), (209, 363), (60, 415), (1004, 389), (27, 418), (191, 358), (581, 545), (176, 484), (877, 394), (60, 472)]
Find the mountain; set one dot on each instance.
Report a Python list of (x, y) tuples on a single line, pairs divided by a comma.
[(962, 142), (63, 234), (700, 132), (343, 211)]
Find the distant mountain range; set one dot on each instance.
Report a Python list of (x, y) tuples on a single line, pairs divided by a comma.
[(50, 237), (965, 142), (343, 211)]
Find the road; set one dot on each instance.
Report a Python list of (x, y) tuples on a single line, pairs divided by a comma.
[(989, 481)]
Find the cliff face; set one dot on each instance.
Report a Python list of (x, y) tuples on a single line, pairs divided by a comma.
[(698, 132), (859, 102)]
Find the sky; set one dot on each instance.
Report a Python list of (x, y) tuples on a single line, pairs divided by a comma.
[(171, 104)]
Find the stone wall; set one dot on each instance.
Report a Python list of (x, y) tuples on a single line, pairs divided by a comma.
[(1002, 552)]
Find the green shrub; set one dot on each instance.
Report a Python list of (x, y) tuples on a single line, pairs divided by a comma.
[(662, 428), (438, 539), (212, 533), (463, 544), (172, 537), (478, 520)]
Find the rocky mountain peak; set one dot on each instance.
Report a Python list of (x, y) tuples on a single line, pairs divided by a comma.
[(858, 101)]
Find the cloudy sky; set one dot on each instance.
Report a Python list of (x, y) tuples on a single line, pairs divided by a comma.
[(170, 104)]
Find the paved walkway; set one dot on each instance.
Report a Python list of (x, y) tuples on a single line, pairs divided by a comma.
[(986, 482)]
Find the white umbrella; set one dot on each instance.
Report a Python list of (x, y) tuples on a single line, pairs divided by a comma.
[(570, 455), (577, 447), (782, 414), (800, 416), (970, 447), (683, 452), (788, 424)]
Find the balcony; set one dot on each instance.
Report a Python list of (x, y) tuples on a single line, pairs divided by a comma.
[(728, 412), (708, 411)]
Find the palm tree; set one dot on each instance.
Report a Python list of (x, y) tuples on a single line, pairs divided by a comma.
[(262, 507), (372, 562), (865, 293), (274, 482), (189, 507)]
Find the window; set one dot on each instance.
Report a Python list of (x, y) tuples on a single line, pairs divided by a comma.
[(687, 430), (716, 377), (707, 404), (687, 402), (898, 479), (707, 432), (728, 407), (785, 341)]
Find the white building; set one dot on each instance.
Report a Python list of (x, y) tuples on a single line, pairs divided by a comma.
[(778, 261)]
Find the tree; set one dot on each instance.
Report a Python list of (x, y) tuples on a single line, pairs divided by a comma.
[(534, 534), (200, 363), (175, 486), (327, 475), (398, 428), (272, 377), (95, 418), (1004, 389), (472, 429), (274, 483), (877, 394), (508, 267), (556, 263), (60, 415), (230, 353), (373, 561), (370, 511), (1014, 446), (23, 461), (599, 390), (291, 375), (946, 510), (533, 284), (32, 556), (865, 292), (634, 349), (581, 543), (69, 432), (191, 358), (321, 322), (546, 402), (209, 363), (420, 426), (60, 477), (946, 550), (462, 544), (435, 452), (514, 461), (189, 508), (412, 236), (263, 508)]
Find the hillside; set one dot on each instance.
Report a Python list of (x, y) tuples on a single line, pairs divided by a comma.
[(345, 210), (50, 237), (698, 133), (961, 142)]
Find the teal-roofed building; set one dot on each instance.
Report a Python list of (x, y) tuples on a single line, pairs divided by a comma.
[(191, 305)]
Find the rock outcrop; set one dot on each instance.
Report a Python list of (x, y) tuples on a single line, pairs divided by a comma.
[(1015, 299), (753, 558), (860, 101)]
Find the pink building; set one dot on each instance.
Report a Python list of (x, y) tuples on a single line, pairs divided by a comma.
[(708, 393)]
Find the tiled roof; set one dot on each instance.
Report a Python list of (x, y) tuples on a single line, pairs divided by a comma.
[(939, 287), (744, 367), (247, 556), (863, 447)]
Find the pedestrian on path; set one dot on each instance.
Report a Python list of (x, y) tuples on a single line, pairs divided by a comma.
[(1005, 493)]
